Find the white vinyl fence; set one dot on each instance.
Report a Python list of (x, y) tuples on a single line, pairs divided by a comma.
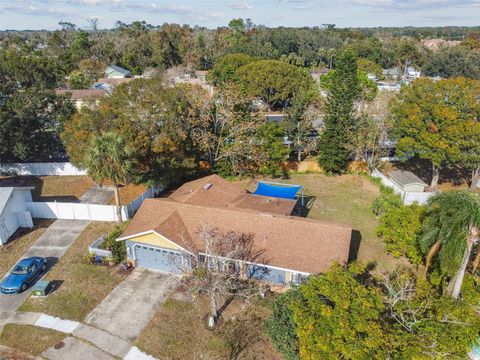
[(408, 197), (41, 169), (92, 212)]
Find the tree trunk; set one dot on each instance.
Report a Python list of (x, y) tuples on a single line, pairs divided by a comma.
[(435, 177), (117, 202), (476, 262), (475, 178), (455, 285), (433, 251), (299, 155), (213, 306)]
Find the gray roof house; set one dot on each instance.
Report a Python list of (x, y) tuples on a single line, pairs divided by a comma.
[(116, 72), (407, 181), (13, 210)]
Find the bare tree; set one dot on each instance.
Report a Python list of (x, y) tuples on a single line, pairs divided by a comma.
[(223, 266), (93, 22)]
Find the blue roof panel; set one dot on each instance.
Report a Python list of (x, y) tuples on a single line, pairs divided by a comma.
[(277, 190)]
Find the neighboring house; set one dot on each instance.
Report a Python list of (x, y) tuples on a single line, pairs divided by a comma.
[(407, 181), (109, 84), (117, 72), (164, 231), (199, 79), (393, 74), (13, 210), (82, 97), (475, 353)]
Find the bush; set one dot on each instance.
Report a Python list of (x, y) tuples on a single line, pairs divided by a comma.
[(400, 227), (281, 325), (118, 248), (387, 201)]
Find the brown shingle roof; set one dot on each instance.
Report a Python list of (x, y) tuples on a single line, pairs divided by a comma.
[(288, 242), (213, 190), (82, 94)]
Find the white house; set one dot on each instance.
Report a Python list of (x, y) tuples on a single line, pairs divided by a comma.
[(13, 210)]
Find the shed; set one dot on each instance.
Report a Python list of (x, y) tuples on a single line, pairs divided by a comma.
[(117, 72), (13, 210), (407, 181)]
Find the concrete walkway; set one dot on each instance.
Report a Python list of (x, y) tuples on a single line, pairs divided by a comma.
[(133, 303), (52, 245), (85, 341)]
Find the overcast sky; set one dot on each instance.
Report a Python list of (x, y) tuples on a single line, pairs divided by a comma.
[(45, 14)]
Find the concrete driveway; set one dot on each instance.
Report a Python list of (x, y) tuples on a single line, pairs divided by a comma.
[(52, 244), (132, 304)]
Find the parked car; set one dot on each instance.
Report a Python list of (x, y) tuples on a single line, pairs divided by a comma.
[(24, 273)]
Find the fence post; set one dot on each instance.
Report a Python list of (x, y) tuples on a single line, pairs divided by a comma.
[(57, 212)]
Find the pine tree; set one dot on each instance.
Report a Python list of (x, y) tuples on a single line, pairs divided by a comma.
[(343, 92)]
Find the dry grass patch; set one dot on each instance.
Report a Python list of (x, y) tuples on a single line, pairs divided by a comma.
[(128, 193), (179, 331), (83, 284), (23, 238), (50, 188), (30, 339)]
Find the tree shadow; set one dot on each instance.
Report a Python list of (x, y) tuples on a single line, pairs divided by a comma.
[(355, 242), (37, 183), (423, 169)]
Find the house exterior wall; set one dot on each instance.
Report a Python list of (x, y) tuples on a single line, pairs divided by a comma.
[(414, 188), (155, 240), (15, 214)]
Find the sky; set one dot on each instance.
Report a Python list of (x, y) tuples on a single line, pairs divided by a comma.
[(45, 14)]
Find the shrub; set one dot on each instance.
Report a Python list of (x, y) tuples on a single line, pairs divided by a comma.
[(387, 201), (281, 326), (400, 227), (118, 248)]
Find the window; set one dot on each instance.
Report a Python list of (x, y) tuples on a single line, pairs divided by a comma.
[(298, 278)]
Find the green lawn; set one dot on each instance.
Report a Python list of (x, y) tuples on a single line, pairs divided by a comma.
[(83, 284), (346, 199), (30, 339)]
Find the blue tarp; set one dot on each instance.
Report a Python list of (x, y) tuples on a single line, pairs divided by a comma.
[(278, 191)]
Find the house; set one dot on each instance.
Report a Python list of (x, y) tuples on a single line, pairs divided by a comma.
[(392, 74), (164, 231), (116, 72), (407, 181), (13, 210), (82, 97)]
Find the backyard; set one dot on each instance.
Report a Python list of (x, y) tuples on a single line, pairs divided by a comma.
[(68, 188), (82, 285), (345, 199)]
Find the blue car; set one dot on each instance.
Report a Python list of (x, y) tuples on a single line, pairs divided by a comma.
[(23, 274)]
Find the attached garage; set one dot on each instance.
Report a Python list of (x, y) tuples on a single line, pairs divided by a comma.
[(157, 258)]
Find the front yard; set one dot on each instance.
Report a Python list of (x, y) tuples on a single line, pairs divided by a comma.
[(29, 339), (82, 285), (19, 242), (179, 331)]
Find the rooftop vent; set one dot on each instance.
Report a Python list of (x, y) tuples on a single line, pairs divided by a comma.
[(207, 186)]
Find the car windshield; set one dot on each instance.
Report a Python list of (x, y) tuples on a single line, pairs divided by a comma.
[(21, 270)]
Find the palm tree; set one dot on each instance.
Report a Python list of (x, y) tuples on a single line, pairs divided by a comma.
[(109, 158), (450, 230)]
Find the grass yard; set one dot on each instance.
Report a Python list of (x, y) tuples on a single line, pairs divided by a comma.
[(179, 331), (30, 339), (52, 188), (128, 193), (83, 284), (23, 238), (345, 199)]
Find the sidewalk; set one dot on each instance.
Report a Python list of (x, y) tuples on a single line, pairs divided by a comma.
[(85, 341)]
